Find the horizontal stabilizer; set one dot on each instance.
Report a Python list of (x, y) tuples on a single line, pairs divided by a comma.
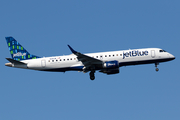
[(15, 61)]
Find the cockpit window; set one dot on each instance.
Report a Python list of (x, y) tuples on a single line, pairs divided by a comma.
[(162, 51)]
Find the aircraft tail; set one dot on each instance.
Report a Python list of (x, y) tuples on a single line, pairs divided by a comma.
[(17, 51)]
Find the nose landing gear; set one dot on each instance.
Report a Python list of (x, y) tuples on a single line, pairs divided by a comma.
[(157, 69)]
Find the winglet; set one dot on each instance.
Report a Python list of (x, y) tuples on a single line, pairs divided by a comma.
[(72, 50)]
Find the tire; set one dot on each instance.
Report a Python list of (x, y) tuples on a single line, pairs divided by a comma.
[(92, 77)]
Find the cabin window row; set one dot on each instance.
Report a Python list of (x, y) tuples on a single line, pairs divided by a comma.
[(113, 55), (61, 60), (107, 56), (75, 58)]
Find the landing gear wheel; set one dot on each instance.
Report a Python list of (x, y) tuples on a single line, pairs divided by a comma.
[(92, 77), (157, 69)]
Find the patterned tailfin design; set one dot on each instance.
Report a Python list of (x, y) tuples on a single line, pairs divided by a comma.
[(17, 51)]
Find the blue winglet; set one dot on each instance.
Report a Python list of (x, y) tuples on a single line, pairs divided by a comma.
[(72, 50)]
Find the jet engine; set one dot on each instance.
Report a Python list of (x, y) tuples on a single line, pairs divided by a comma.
[(110, 67), (111, 64)]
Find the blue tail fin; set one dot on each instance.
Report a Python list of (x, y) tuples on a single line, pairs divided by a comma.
[(17, 51)]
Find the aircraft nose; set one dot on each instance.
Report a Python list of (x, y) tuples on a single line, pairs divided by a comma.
[(172, 56)]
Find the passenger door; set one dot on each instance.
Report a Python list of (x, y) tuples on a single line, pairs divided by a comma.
[(153, 55), (43, 63)]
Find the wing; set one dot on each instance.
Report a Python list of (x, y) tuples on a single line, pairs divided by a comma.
[(87, 61)]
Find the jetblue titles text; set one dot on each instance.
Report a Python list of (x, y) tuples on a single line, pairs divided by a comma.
[(134, 53)]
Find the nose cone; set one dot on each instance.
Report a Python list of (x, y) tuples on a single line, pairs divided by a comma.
[(172, 56)]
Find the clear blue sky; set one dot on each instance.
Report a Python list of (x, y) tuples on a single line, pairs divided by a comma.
[(45, 28)]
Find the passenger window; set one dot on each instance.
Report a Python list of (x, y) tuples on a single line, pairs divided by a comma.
[(116, 54), (105, 55), (109, 55)]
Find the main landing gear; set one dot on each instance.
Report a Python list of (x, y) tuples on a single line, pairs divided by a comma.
[(91, 74), (157, 69)]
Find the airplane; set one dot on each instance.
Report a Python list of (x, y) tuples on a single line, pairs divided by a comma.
[(105, 62)]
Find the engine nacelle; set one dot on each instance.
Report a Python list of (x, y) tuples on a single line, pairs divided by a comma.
[(111, 64), (110, 71), (115, 71)]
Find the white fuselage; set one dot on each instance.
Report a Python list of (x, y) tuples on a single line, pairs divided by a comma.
[(124, 57)]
